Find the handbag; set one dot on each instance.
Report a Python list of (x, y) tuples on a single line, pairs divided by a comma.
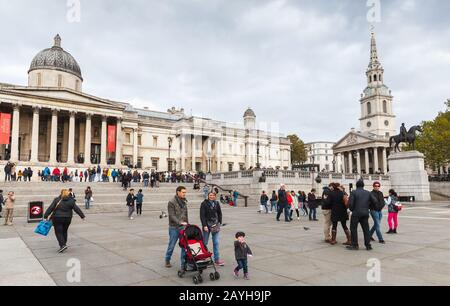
[(215, 228), (45, 226)]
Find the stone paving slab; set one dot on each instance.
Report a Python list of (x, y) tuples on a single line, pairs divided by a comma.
[(115, 251)]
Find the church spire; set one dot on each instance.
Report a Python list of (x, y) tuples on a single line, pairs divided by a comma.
[(375, 71)]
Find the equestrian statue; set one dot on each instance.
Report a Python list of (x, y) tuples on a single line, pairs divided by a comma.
[(405, 136)]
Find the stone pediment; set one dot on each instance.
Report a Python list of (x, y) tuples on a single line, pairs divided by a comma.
[(352, 139), (62, 95)]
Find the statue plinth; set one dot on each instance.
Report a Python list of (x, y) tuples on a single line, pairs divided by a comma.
[(408, 175)]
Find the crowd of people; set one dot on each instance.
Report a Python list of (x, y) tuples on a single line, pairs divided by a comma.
[(338, 207)]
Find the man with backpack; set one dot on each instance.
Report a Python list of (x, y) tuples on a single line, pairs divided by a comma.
[(376, 212)]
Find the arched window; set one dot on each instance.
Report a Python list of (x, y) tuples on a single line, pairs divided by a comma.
[(379, 77), (369, 108), (375, 78), (370, 79), (385, 107)]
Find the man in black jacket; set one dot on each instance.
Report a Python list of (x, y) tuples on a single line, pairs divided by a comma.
[(211, 218), (376, 212), (359, 203), (131, 198), (283, 204)]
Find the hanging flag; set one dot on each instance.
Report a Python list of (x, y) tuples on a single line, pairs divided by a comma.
[(111, 138), (5, 128)]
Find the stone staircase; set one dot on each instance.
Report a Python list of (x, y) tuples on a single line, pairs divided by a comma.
[(108, 197)]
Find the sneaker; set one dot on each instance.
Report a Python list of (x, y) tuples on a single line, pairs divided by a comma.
[(352, 248), (246, 276), (220, 263), (168, 265), (236, 273), (390, 232), (382, 242), (394, 231), (63, 249)]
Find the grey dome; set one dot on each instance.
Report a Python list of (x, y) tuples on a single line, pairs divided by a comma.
[(56, 58), (249, 113)]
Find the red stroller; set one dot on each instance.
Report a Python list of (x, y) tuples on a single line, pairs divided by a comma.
[(197, 257)]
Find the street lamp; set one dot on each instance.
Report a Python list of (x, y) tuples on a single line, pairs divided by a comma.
[(334, 164), (169, 139), (258, 165)]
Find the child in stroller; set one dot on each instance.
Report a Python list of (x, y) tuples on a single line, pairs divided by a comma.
[(198, 258)]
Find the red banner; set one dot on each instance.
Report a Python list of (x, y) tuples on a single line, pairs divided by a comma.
[(111, 138), (5, 128)]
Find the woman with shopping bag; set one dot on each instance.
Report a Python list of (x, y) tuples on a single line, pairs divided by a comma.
[(60, 213)]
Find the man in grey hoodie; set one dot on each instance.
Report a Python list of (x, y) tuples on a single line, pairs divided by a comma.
[(178, 218)]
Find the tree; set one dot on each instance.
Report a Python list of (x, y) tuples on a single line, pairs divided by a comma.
[(434, 142), (298, 153)]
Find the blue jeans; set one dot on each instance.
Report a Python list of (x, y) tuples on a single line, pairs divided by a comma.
[(235, 202), (273, 204), (376, 216), (145, 183), (174, 236), (215, 240), (87, 203), (312, 213), (242, 264)]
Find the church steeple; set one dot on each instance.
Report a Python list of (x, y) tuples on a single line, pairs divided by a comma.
[(375, 72)]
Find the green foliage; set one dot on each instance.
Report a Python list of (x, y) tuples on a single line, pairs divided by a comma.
[(434, 142), (298, 153)]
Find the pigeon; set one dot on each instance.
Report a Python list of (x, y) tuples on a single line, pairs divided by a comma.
[(163, 215), (306, 228)]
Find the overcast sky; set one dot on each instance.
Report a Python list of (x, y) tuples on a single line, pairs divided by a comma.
[(301, 63)]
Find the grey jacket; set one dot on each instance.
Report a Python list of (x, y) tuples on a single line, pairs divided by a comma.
[(360, 202), (178, 212)]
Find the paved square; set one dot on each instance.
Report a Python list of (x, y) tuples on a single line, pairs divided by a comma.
[(116, 251)]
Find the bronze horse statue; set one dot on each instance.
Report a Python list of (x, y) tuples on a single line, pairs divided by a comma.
[(410, 138)]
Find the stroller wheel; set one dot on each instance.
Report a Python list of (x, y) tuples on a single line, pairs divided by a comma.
[(200, 279), (217, 275), (195, 280), (212, 277), (180, 274)]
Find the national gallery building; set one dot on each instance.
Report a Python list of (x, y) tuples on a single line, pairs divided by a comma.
[(53, 122)]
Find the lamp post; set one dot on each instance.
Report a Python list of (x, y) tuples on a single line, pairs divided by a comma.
[(334, 164), (258, 165), (169, 139)]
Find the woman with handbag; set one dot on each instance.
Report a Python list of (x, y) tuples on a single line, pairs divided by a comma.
[(393, 208), (338, 202), (60, 213), (211, 218)]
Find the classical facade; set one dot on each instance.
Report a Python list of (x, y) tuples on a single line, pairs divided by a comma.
[(366, 151), (320, 153), (53, 122)]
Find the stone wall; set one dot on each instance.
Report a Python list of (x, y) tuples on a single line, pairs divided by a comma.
[(440, 188)]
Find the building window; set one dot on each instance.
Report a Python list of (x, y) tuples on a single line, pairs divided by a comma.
[(155, 141), (385, 107), (241, 166), (60, 80), (370, 79), (139, 163), (127, 160), (139, 140), (375, 78), (387, 135), (127, 138), (369, 108), (39, 79), (326, 158), (155, 163), (230, 167)]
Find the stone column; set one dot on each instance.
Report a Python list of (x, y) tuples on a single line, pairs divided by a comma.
[(15, 134), (104, 142), (385, 168), (375, 160), (350, 161), (338, 159), (71, 150), (87, 140), (193, 153), (344, 163), (35, 136), (218, 155), (183, 153), (366, 160), (135, 147), (54, 136), (119, 143), (358, 162)]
